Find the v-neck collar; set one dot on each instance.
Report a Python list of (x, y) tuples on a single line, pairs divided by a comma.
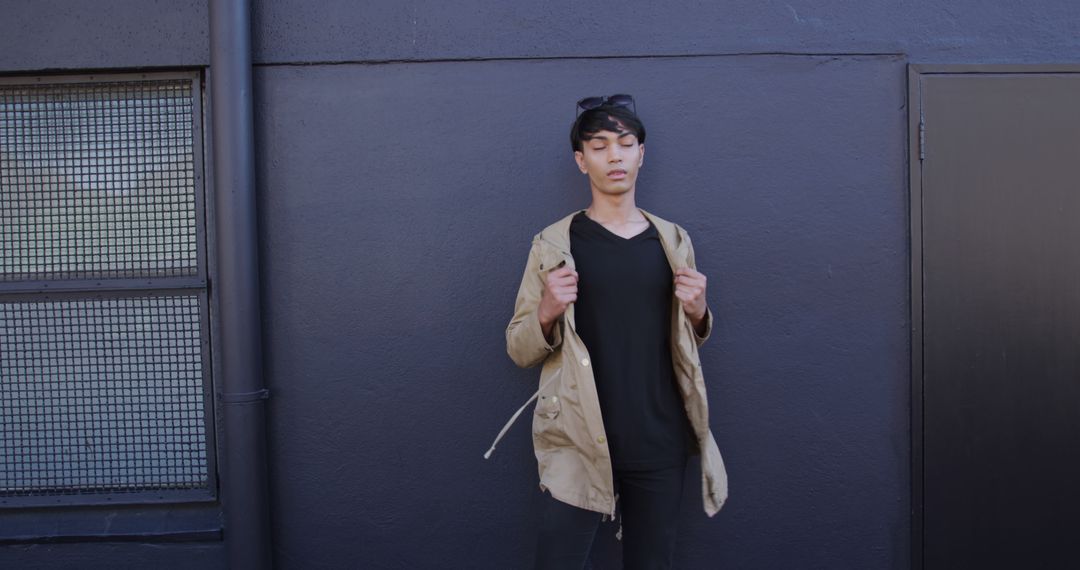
[(615, 236), (676, 246)]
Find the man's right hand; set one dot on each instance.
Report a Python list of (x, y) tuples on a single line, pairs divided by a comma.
[(560, 289)]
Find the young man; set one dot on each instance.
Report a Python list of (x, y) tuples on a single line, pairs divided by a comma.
[(613, 308)]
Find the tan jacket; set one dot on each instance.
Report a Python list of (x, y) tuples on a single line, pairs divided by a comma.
[(568, 433)]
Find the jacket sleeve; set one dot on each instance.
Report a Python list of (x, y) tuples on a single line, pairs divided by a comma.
[(525, 342), (690, 260)]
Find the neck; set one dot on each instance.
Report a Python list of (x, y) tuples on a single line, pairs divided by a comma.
[(618, 208)]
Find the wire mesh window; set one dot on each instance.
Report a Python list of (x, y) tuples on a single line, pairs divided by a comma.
[(102, 395), (104, 388), (98, 180)]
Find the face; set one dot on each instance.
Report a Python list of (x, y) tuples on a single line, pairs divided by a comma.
[(611, 160)]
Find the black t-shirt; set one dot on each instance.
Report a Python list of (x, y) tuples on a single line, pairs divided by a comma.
[(623, 315)]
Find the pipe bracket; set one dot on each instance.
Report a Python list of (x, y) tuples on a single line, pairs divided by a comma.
[(242, 397)]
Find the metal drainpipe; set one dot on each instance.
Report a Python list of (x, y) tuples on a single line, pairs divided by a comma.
[(243, 396)]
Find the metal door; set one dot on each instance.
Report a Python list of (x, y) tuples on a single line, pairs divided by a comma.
[(996, 314)]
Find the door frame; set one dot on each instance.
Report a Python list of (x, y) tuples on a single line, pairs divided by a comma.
[(915, 157)]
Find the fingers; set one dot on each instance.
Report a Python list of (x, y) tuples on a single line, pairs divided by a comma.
[(687, 276), (563, 289), (689, 294), (562, 272), (561, 285), (562, 281), (567, 297), (566, 294), (562, 277), (555, 299), (689, 284)]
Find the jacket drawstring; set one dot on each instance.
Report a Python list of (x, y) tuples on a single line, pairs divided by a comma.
[(618, 534), (514, 417)]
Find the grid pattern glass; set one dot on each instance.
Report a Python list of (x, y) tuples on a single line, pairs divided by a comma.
[(101, 395), (97, 180)]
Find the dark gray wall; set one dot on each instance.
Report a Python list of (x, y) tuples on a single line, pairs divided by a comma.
[(397, 203), (72, 34), (937, 31)]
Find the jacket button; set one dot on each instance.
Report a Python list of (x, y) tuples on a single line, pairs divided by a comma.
[(554, 399), (600, 439), (584, 361)]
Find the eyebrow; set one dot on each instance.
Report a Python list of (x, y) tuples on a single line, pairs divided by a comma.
[(604, 139)]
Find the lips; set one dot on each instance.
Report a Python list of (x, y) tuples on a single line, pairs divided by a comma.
[(617, 173)]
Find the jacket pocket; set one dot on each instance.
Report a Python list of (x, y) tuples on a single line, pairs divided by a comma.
[(548, 407), (549, 429)]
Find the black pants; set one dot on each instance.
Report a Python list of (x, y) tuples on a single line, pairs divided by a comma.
[(649, 503)]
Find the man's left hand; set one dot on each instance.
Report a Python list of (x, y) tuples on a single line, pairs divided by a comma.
[(690, 289)]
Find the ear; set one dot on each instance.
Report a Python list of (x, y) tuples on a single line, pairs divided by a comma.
[(579, 157), (641, 154)]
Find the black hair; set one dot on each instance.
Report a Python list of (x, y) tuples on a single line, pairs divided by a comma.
[(614, 118)]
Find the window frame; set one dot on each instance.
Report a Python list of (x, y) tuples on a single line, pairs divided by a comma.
[(93, 288)]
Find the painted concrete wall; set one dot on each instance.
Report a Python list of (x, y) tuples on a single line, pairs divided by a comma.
[(397, 200), (68, 34), (927, 31)]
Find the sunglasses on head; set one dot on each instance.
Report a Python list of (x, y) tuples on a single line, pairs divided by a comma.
[(618, 100)]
